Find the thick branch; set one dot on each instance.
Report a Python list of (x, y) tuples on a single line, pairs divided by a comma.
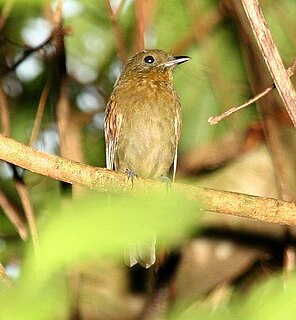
[(248, 206)]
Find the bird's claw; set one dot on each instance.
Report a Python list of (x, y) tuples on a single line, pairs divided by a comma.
[(167, 180), (131, 175)]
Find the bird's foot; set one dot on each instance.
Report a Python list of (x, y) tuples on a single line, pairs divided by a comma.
[(166, 180), (131, 175)]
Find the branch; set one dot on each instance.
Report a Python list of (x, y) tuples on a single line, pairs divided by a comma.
[(20, 186), (140, 7), (216, 119), (5, 13), (40, 112), (12, 211), (104, 180), (271, 56), (25, 54), (277, 144), (117, 31)]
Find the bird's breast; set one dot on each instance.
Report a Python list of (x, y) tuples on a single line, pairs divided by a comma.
[(147, 139)]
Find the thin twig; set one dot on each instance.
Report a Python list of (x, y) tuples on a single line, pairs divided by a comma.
[(118, 35), (19, 183), (216, 119), (141, 24), (40, 112), (5, 13), (271, 56), (12, 213), (24, 196), (117, 11), (29, 212), (26, 53), (63, 110), (57, 15), (4, 112)]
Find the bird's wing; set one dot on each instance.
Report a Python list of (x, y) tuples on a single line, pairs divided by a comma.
[(177, 125), (113, 120)]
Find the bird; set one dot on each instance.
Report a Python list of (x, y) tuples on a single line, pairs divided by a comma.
[(142, 125)]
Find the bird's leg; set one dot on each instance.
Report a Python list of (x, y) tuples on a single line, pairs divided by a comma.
[(166, 180), (131, 175)]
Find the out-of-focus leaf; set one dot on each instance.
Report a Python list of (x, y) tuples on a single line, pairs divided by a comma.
[(273, 300), (98, 227)]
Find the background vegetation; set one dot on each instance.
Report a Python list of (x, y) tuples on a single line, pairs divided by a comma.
[(223, 267)]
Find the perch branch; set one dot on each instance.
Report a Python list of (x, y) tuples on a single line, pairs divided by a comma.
[(101, 179)]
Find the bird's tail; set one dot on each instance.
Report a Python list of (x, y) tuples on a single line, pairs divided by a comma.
[(144, 254)]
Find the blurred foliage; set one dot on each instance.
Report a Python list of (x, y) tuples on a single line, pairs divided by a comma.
[(91, 227), (270, 300), (98, 227)]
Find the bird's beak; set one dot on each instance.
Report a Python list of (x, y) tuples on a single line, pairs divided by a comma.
[(176, 60)]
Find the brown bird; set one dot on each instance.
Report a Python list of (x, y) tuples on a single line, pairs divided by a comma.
[(143, 123)]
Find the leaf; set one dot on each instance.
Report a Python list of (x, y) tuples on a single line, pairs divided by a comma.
[(93, 227)]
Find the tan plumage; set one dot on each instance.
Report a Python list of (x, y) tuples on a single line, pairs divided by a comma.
[(143, 118)]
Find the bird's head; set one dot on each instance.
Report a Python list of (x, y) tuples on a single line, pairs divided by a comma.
[(156, 63)]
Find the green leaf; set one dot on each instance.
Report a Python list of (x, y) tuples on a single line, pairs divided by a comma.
[(93, 227)]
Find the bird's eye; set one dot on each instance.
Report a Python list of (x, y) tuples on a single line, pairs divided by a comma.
[(149, 59)]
